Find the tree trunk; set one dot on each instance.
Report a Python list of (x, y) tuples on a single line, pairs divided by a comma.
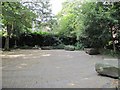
[(15, 46), (114, 48), (7, 43), (9, 27), (113, 42)]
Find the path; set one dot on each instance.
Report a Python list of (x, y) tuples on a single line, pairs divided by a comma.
[(51, 69)]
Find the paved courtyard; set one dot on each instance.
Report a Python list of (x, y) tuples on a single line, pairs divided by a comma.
[(52, 69)]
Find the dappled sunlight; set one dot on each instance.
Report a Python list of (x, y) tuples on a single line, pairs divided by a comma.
[(46, 55), (58, 67), (108, 59), (60, 43), (23, 64), (1, 55), (37, 51), (64, 68), (30, 57), (19, 67), (13, 56), (71, 84), (69, 56), (24, 56), (85, 78)]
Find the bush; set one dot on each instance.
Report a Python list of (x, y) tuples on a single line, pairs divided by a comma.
[(69, 48), (67, 40), (89, 42), (0, 33), (46, 47), (60, 46), (25, 47), (109, 52), (92, 51), (40, 39), (79, 46)]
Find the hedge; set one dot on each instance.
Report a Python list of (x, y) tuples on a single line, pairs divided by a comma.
[(33, 39)]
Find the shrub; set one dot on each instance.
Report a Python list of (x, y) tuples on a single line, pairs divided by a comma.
[(0, 33), (110, 52), (60, 46), (79, 46), (69, 48), (46, 47), (92, 51), (25, 47), (40, 39)]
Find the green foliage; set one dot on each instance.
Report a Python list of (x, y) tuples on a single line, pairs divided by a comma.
[(14, 12), (69, 48), (18, 16), (15, 18), (67, 19), (42, 33), (0, 32), (44, 14), (66, 25), (79, 46), (59, 46), (110, 53), (25, 47), (98, 23), (93, 24)]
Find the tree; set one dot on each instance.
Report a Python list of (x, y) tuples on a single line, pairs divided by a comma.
[(43, 11), (14, 14), (96, 23), (101, 22), (67, 18)]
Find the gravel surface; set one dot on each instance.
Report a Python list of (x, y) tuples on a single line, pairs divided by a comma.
[(52, 69)]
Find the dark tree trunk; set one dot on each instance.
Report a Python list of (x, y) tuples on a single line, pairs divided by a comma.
[(113, 42), (9, 27), (15, 46), (7, 43)]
